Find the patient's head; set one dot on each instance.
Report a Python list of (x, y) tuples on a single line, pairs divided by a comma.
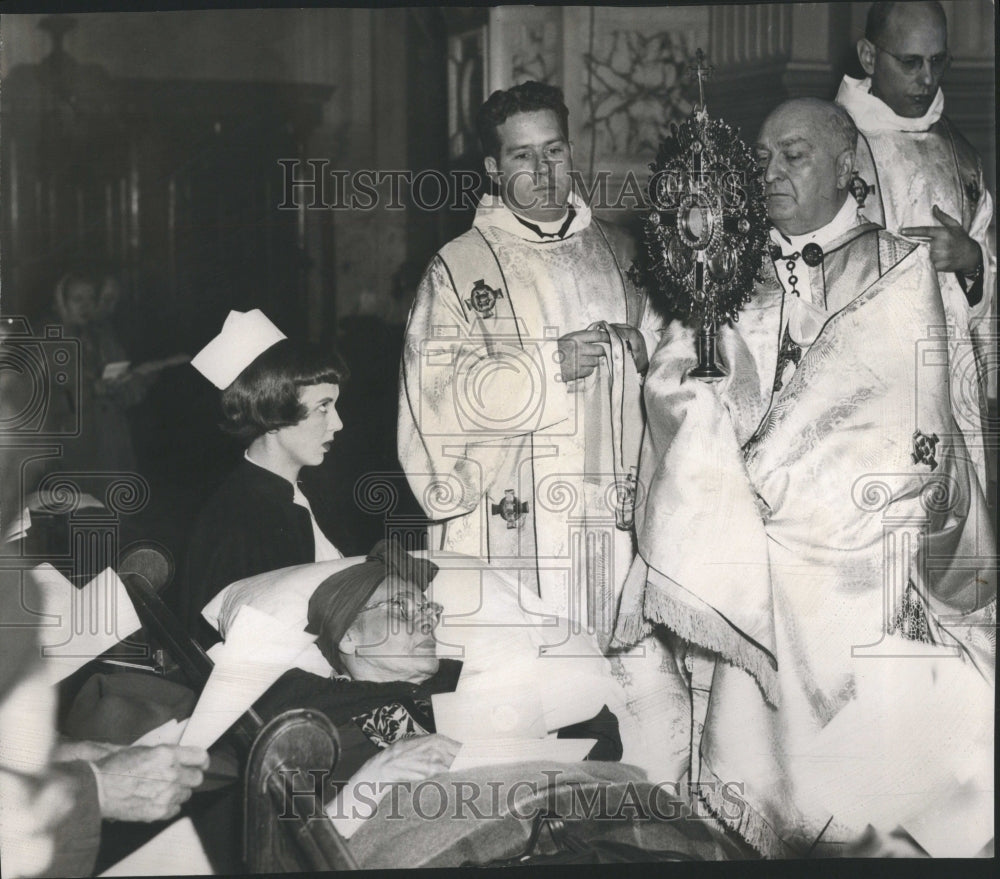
[(392, 636), (373, 621)]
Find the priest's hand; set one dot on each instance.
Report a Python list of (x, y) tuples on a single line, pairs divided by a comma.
[(148, 784), (952, 250), (580, 352)]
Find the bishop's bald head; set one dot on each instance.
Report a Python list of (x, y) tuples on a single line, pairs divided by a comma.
[(806, 150)]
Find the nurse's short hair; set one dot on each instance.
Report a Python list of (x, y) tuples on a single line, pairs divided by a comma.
[(265, 396)]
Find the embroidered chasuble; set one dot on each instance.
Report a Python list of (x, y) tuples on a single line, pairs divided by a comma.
[(915, 164), (820, 540), (510, 463)]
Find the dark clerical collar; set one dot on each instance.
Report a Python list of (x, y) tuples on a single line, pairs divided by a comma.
[(559, 233), (812, 254)]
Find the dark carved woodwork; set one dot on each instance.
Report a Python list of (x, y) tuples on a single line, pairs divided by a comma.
[(174, 184), (285, 829)]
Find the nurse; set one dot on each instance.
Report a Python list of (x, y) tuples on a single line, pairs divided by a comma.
[(279, 399)]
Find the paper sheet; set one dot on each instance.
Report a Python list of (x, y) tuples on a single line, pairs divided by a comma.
[(556, 690), (499, 751), (487, 712), (168, 733), (932, 713), (17, 528), (257, 651), (960, 824), (177, 851), (80, 624)]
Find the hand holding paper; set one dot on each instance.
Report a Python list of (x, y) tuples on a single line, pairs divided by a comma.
[(148, 784)]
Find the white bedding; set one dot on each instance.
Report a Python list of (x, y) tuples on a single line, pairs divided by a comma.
[(499, 631)]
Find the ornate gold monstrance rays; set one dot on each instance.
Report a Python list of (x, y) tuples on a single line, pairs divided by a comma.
[(706, 229)]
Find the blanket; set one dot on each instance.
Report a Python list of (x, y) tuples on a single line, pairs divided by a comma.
[(486, 814)]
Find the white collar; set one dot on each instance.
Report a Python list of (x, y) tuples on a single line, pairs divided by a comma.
[(493, 212), (846, 219), (874, 114)]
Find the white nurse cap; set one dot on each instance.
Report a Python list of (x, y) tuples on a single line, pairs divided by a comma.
[(244, 337)]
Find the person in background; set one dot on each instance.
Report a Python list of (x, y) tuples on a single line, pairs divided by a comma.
[(108, 384), (133, 381), (928, 184), (279, 399)]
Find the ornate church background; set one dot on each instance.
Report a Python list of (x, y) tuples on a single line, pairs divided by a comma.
[(624, 71), (153, 140), (398, 88)]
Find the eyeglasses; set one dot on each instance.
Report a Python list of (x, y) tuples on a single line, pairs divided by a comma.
[(913, 64), (409, 608)]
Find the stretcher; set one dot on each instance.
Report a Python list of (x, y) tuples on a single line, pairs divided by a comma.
[(575, 813)]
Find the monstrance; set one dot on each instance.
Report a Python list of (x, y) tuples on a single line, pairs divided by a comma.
[(706, 230)]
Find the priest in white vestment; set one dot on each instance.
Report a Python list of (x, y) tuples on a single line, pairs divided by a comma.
[(816, 535), (519, 416), (929, 185), (520, 402)]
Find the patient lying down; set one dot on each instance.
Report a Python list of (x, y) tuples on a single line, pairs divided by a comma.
[(376, 629)]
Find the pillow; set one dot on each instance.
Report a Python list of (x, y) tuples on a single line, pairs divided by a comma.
[(488, 618), (284, 593)]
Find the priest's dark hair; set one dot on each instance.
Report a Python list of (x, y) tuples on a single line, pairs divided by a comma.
[(524, 98), (265, 396)]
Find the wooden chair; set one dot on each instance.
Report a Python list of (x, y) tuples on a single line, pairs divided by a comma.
[(284, 827), (142, 572)]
